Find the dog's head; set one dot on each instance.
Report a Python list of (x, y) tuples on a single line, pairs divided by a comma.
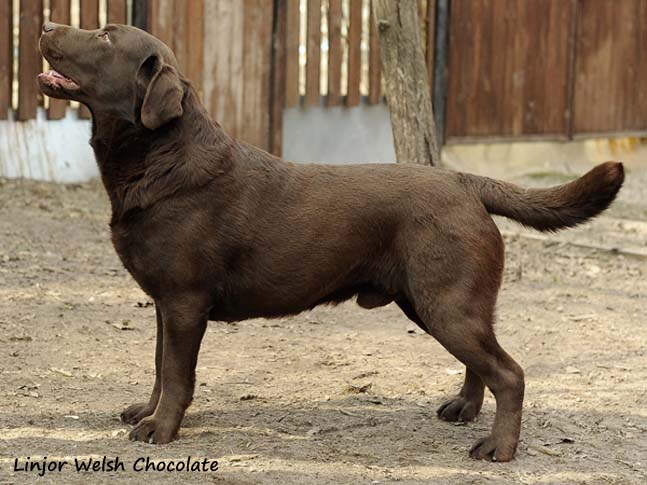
[(118, 70)]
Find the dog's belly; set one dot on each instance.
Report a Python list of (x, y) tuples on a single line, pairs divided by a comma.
[(270, 306)]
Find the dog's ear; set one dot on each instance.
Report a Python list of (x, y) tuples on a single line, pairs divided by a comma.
[(164, 92)]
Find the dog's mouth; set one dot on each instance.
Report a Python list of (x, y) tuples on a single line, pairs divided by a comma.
[(56, 80)]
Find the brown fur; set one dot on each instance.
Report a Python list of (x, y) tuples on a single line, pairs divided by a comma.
[(215, 229)]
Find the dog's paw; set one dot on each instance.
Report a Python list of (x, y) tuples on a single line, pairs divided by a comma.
[(458, 409), (135, 413), (153, 430), (493, 449)]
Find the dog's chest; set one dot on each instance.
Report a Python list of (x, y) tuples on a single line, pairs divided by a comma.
[(136, 257), (163, 255)]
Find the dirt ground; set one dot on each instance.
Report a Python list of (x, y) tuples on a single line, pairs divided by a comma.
[(338, 395)]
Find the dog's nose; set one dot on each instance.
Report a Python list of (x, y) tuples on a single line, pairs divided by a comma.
[(48, 27)]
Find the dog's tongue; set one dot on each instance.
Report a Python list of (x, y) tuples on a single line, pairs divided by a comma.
[(57, 79)]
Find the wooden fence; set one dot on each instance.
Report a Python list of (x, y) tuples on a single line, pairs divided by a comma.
[(261, 56), (517, 69), (553, 69), (346, 32)]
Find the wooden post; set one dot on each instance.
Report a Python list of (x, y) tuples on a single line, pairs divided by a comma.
[(59, 13), (6, 58), (194, 50), (117, 12), (313, 47), (140, 14), (89, 21), (430, 42), (293, 17), (354, 53), (277, 76), (406, 81), (374, 74), (335, 53), (30, 61)]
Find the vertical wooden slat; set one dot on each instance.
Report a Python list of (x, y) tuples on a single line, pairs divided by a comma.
[(517, 36), (430, 41), (354, 52), (257, 59), (497, 112), (335, 53), (6, 58), (179, 28), (30, 62), (572, 52), (277, 92), (140, 11), (637, 120), (292, 53), (313, 48), (545, 95), (90, 21), (160, 20), (249, 123), (59, 13), (235, 94), (151, 14), (89, 14), (374, 63), (195, 41), (223, 83), (117, 11)]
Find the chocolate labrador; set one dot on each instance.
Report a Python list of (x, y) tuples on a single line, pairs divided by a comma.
[(215, 229)]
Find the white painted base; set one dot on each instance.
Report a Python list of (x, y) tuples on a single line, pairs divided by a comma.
[(51, 150)]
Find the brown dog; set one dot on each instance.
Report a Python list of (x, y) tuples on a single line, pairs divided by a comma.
[(214, 229)]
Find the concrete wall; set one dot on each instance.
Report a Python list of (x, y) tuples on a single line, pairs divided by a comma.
[(338, 135)]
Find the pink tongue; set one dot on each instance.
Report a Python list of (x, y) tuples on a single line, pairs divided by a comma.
[(58, 79)]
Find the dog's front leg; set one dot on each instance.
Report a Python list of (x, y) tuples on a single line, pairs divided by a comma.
[(184, 324), (135, 413)]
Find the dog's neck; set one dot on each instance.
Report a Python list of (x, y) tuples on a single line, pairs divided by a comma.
[(140, 167)]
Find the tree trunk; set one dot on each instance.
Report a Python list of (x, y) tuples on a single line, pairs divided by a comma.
[(406, 81)]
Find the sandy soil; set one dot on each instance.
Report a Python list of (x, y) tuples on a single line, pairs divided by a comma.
[(338, 395)]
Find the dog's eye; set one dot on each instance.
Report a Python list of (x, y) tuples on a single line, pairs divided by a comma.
[(105, 36)]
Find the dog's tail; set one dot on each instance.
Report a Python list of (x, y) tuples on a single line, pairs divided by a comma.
[(553, 208)]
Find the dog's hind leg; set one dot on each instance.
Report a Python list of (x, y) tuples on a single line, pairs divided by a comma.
[(135, 413), (467, 404), (470, 338), (407, 308)]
